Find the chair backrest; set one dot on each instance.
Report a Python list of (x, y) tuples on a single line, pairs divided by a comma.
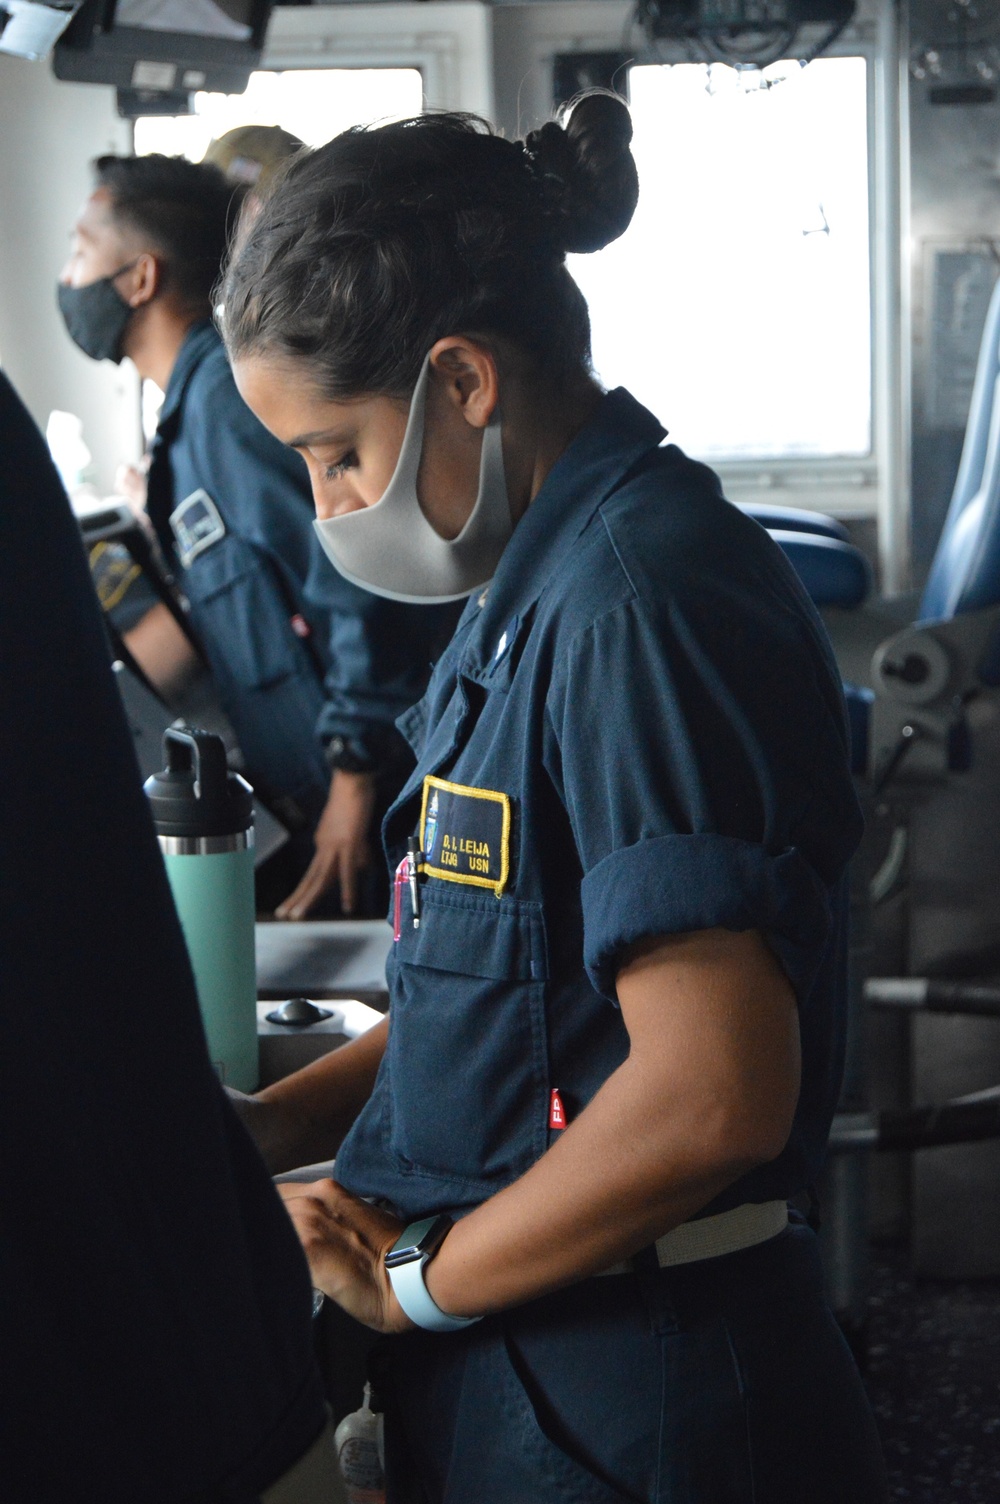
[(965, 574), (834, 573), (794, 520)]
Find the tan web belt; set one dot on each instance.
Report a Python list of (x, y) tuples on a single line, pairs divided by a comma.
[(711, 1237)]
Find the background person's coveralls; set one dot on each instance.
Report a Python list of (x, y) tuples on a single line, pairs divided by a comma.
[(299, 656), (638, 730)]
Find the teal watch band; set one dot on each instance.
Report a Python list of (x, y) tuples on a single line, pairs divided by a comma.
[(405, 1265)]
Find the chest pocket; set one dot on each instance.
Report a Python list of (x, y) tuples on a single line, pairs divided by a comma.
[(467, 1052), (239, 611)]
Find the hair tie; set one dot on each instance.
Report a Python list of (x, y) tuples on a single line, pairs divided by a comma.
[(549, 159)]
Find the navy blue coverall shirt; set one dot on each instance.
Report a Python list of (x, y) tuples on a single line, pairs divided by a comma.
[(638, 730), (298, 654)]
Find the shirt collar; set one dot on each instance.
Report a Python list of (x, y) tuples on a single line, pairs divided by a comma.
[(618, 434), (200, 339)]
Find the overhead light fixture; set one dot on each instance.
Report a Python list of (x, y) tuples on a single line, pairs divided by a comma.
[(746, 33)]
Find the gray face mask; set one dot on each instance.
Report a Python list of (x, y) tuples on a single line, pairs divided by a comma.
[(391, 549)]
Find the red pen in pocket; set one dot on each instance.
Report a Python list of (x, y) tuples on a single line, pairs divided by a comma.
[(398, 884)]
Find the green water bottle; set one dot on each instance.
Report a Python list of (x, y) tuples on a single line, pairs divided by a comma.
[(204, 819)]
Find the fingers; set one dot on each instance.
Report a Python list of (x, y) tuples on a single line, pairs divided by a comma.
[(335, 1257), (353, 856), (316, 1190), (340, 1203), (347, 866), (336, 863), (341, 846), (324, 1203), (322, 1227), (345, 1240), (319, 875)]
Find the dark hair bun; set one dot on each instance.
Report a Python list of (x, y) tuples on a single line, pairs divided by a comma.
[(584, 168)]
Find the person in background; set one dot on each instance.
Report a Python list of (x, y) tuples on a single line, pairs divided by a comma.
[(310, 670), (251, 155), (617, 989)]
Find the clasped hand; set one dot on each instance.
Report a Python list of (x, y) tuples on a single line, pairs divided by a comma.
[(345, 1241)]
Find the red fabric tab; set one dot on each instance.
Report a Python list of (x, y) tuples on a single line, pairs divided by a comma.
[(300, 626), (557, 1115)]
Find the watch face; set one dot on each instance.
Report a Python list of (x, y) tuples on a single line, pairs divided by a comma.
[(417, 1241)]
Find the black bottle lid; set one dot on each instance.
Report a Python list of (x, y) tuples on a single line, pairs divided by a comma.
[(196, 794)]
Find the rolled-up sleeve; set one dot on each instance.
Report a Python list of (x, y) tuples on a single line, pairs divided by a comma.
[(668, 885), (700, 751)]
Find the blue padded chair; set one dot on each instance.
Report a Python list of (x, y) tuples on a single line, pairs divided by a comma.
[(952, 650), (945, 795), (795, 520), (964, 582), (906, 737), (965, 574), (833, 571)]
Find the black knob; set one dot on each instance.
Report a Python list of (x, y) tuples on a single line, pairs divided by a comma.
[(298, 1012), (913, 670)]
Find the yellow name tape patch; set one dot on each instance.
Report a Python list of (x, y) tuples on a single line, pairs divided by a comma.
[(465, 834)]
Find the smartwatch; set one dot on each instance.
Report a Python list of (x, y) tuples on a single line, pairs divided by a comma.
[(346, 755), (405, 1265)]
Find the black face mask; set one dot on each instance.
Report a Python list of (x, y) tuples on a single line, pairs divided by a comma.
[(96, 316)]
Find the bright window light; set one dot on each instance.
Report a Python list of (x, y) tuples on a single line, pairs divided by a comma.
[(736, 306), (314, 104)]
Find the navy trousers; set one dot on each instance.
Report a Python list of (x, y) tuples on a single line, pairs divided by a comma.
[(723, 1382)]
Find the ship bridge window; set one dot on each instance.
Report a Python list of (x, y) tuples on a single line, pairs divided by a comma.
[(313, 103), (737, 305)]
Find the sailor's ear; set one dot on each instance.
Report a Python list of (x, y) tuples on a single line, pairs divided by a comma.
[(467, 371)]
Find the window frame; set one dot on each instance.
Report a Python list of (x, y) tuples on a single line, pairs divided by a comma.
[(497, 61), (527, 37), (843, 485), (447, 40)]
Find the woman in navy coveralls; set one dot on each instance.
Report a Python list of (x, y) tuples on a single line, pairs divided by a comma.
[(615, 1035)]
